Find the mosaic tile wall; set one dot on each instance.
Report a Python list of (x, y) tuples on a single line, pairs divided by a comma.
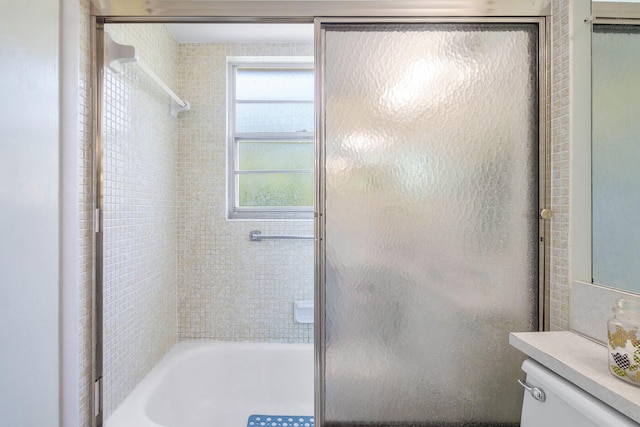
[(85, 142), (140, 217), (560, 155), (230, 288)]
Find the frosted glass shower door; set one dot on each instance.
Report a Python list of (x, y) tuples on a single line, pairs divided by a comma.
[(429, 196)]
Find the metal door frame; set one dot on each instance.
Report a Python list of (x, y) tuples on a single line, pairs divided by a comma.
[(320, 231), (298, 11)]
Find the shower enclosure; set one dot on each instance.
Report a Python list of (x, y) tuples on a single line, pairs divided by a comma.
[(431, 138)]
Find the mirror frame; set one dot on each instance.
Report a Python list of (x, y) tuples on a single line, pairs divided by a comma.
[(591, 303)]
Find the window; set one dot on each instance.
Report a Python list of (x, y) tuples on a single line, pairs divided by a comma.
[(271, 146)]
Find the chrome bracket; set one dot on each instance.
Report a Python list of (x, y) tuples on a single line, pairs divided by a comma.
[(537, 393)]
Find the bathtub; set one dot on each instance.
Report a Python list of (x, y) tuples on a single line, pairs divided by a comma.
[(220, 384)]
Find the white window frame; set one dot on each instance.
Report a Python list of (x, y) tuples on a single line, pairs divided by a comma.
[(233, 138)]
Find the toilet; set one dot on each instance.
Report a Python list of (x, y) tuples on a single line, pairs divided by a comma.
[(552, 401)]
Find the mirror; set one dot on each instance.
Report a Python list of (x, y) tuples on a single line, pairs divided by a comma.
[(616, 144)]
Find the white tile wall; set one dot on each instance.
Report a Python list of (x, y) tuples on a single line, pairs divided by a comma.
[(85, 142), (560, 120), (140, 218), (230, 288)]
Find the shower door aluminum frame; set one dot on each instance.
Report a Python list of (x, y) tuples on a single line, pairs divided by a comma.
[(295, 11), (320, 221)]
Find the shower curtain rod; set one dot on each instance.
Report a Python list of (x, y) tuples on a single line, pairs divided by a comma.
[(160, 83), (117, 54)]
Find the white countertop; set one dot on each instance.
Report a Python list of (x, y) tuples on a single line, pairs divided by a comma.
[(584, 363)]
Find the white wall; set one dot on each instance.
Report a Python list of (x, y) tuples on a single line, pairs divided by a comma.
[(29, 255)]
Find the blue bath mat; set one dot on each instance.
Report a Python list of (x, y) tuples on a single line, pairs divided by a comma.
[(279, 421)]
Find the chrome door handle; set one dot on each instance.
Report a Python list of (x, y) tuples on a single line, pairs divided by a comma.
[(537, 393)]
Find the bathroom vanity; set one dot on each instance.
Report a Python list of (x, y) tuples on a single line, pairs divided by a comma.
[(582, 362)]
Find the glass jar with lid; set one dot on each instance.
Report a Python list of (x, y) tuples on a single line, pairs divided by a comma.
[(624, 341)]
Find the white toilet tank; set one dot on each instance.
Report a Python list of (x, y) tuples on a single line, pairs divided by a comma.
[(565, 404)]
